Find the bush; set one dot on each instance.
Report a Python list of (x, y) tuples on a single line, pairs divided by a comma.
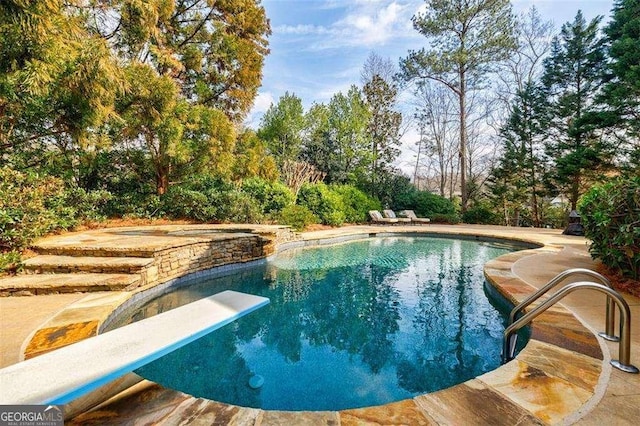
[(450, 219), (480, 214), (183, 203), (30, 207), (298, 217), (611, 218), (272, 196), (325, 204), (237, 207), (423, 203), (356, 204), (10, 262)]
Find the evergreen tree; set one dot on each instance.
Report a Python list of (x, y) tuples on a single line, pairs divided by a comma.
[(517, 179), (572, 77), (383, 127), (621, 93), (467, 37)]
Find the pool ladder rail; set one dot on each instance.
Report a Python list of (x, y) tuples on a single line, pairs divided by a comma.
[(613, 298)]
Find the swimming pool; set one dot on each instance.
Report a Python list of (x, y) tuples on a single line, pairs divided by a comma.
[(351, 325)]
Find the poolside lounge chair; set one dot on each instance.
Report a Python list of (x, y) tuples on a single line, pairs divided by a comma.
[(389, 214), (415, 219), (376, 217)]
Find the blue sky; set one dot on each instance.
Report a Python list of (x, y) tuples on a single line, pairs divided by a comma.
[(318, 47)]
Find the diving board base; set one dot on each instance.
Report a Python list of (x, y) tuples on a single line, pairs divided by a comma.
[(60, 376)]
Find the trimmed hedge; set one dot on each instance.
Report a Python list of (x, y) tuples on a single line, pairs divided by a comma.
[(611, 218)]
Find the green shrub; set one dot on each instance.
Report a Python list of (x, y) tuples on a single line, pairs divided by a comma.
[(323, 203), (237, 207), (611, 218), (10, 262), (298, 217), (30, 207), (423, 203), (272, 196), (480, 214), (87, 205), (183, 203), (356, 204), (451, 219)]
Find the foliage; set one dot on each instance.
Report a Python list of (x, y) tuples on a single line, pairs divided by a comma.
[(58, 84), (466, 38), (296, 216), (611, 219), (183, 203), (251, 158), (32, 205), (423, 203), (213, 50), (10, 262), (323, 203), (621, 92), (451, 219), (383, 127), (572, 76), (271, 196), (238, 207), (179, 138), (481, 214), (516, 180), (281, 128), (338, 144), (356, 204)]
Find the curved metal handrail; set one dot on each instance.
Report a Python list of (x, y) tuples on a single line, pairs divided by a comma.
[(624, 363), (610, 313)]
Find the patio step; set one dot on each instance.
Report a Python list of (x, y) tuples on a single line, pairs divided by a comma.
[(90, 251), (31, 285), (54, 264)]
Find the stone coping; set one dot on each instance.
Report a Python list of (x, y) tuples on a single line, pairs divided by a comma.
[(554, 379)]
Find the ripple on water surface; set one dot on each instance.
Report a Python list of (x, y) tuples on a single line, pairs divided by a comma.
[(356, 324)]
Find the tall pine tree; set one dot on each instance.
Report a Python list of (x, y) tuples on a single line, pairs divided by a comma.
[(572, 78), (467, 37)]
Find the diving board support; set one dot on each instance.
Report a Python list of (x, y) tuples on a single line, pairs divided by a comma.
[(60, 376)]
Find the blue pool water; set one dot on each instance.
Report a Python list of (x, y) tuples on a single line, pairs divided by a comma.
[(351, 325)]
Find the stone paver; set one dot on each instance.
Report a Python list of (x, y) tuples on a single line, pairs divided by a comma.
[(21, 316), (568, 388)]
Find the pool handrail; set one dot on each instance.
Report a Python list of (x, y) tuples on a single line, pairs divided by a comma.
[(610, 313), (624, 361)]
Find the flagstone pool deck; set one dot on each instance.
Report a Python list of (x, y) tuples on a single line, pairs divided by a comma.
[(563, 376)]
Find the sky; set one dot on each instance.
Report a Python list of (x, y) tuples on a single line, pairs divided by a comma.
[(318, 47)]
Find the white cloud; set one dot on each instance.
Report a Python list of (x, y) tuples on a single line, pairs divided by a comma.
[(261, 104), (370, 26), (365, 23)]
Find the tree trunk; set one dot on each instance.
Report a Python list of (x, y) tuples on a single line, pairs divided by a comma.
[(463, 142)]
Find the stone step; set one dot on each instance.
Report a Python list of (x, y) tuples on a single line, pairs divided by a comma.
[(31, 285), (54, 264), (94, 251)]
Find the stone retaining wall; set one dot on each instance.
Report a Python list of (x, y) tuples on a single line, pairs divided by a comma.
[(176, 262)]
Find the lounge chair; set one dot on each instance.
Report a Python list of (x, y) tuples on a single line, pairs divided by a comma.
[(376, 217), (389, 214), (411, 215)]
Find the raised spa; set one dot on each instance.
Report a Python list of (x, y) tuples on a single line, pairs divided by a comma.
[(355, 324)]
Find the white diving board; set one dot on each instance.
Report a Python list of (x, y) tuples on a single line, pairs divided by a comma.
[(60, 376)]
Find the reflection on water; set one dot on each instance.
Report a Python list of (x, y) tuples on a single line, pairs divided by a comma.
[(357, 324)]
